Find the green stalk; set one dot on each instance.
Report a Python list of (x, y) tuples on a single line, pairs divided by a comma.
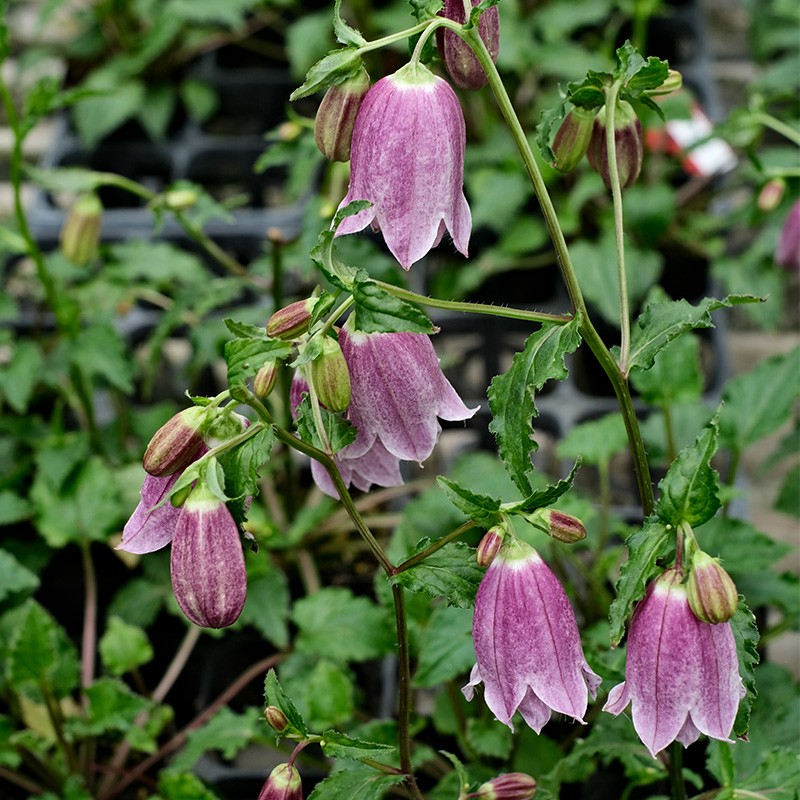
[(612, 94), (431, 549)]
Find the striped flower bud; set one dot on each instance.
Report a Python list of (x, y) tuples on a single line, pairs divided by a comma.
[(711, 592), (627, 142), (291, 321), (284, 783), (265, 379), (572, 139), (462, 64), (559, 525), (510, 786), (177, 443), (489, 546), (276, 719), (80, 234), (336, 116)]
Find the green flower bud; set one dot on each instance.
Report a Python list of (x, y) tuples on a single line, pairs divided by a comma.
[(672, 83), (627, 141), (511, 786), (330, 376), (265, 379), (80, 234), (572, 139), (336, 116), (180, 199), (177, 443), (291, 321), (711, 592)]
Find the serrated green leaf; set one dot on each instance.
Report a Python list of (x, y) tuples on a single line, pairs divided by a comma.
[(99, 352), (675, 376), (482, 510), (338, 745), (344, 33), (245, 357), (378, 311), (450, 572), (746, 635), (227, 732), (445, 648), (596, 440), (327, 619), (511, 395), (547, 496), (275, 696), (14, 577), (661, 322), (590, 92), (124, 646), (338, 273), (267, 606), (363, 783), (200, 99), (20, 374), (758, 402), (329, 695), (788, 500), (689, 492), (116, 100), (13, 508), (637, 74), (548, 119), (335, 67), (241, 466), (487, 738), (644, 548), (338, 431), (182, 786)]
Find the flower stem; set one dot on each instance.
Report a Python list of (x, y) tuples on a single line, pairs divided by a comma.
[(675, 767), (778, 126), (431, 549), (475, 308), (612, 93), (89, 637)]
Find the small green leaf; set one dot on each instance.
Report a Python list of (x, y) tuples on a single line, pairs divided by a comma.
[(124, 647), (653, 541), (675, 376), (758, 402), (590, 92), (115, 101), (363, 783), (450, 572), (14, 578), (746, 635), (344, 33), (511, 395), (337, 66), (245, 357), (329, 695), (241, 467), (267, 606), (482, 510), (689, 492), (182, 786), (275, 696), (637, 74), (227, 732), (445, 647), (379, 311), (338, 745), (341, 275), (487, 738), (99, 352), (327, 619), (547, 496), (788, 500), (20, 374), (112, 706), (661, 322), (549, 119), (200, 99), (338, 431)]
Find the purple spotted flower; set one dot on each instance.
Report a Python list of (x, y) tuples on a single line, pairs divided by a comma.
[(682, 676), (407, 159), (527, 646), (207, 561)]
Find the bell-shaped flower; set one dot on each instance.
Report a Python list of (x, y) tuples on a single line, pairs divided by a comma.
[(527, 646), (398, 392), (207, 561), (153, 522), (462, 64), (407, 159), (681, 674), (284, 783)]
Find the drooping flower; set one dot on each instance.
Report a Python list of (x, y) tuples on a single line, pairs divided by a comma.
[(407, 159), (628, 144), (457, 55), (527, 646), (681, 674), (207, 561), (398, 391), (284, 783)]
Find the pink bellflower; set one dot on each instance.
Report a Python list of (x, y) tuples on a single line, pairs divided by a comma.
[(407, 159), (527, 646), (681, 674)]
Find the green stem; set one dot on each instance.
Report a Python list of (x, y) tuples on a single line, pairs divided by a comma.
[(588, 331), (475, 308), (437, 545), (404, 692), (778, 126), (612, 94), (675, 767)]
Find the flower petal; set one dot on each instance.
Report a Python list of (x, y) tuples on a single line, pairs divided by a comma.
[(151, 525)]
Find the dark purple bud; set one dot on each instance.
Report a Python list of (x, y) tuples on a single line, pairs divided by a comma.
[(207, 561), (330, 376), (511, 786), (711, 591), (291, 321), (80, 235), (176, 444), (628, 145), (336, 116), (284, 783), (457, 55), (572, 139)]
